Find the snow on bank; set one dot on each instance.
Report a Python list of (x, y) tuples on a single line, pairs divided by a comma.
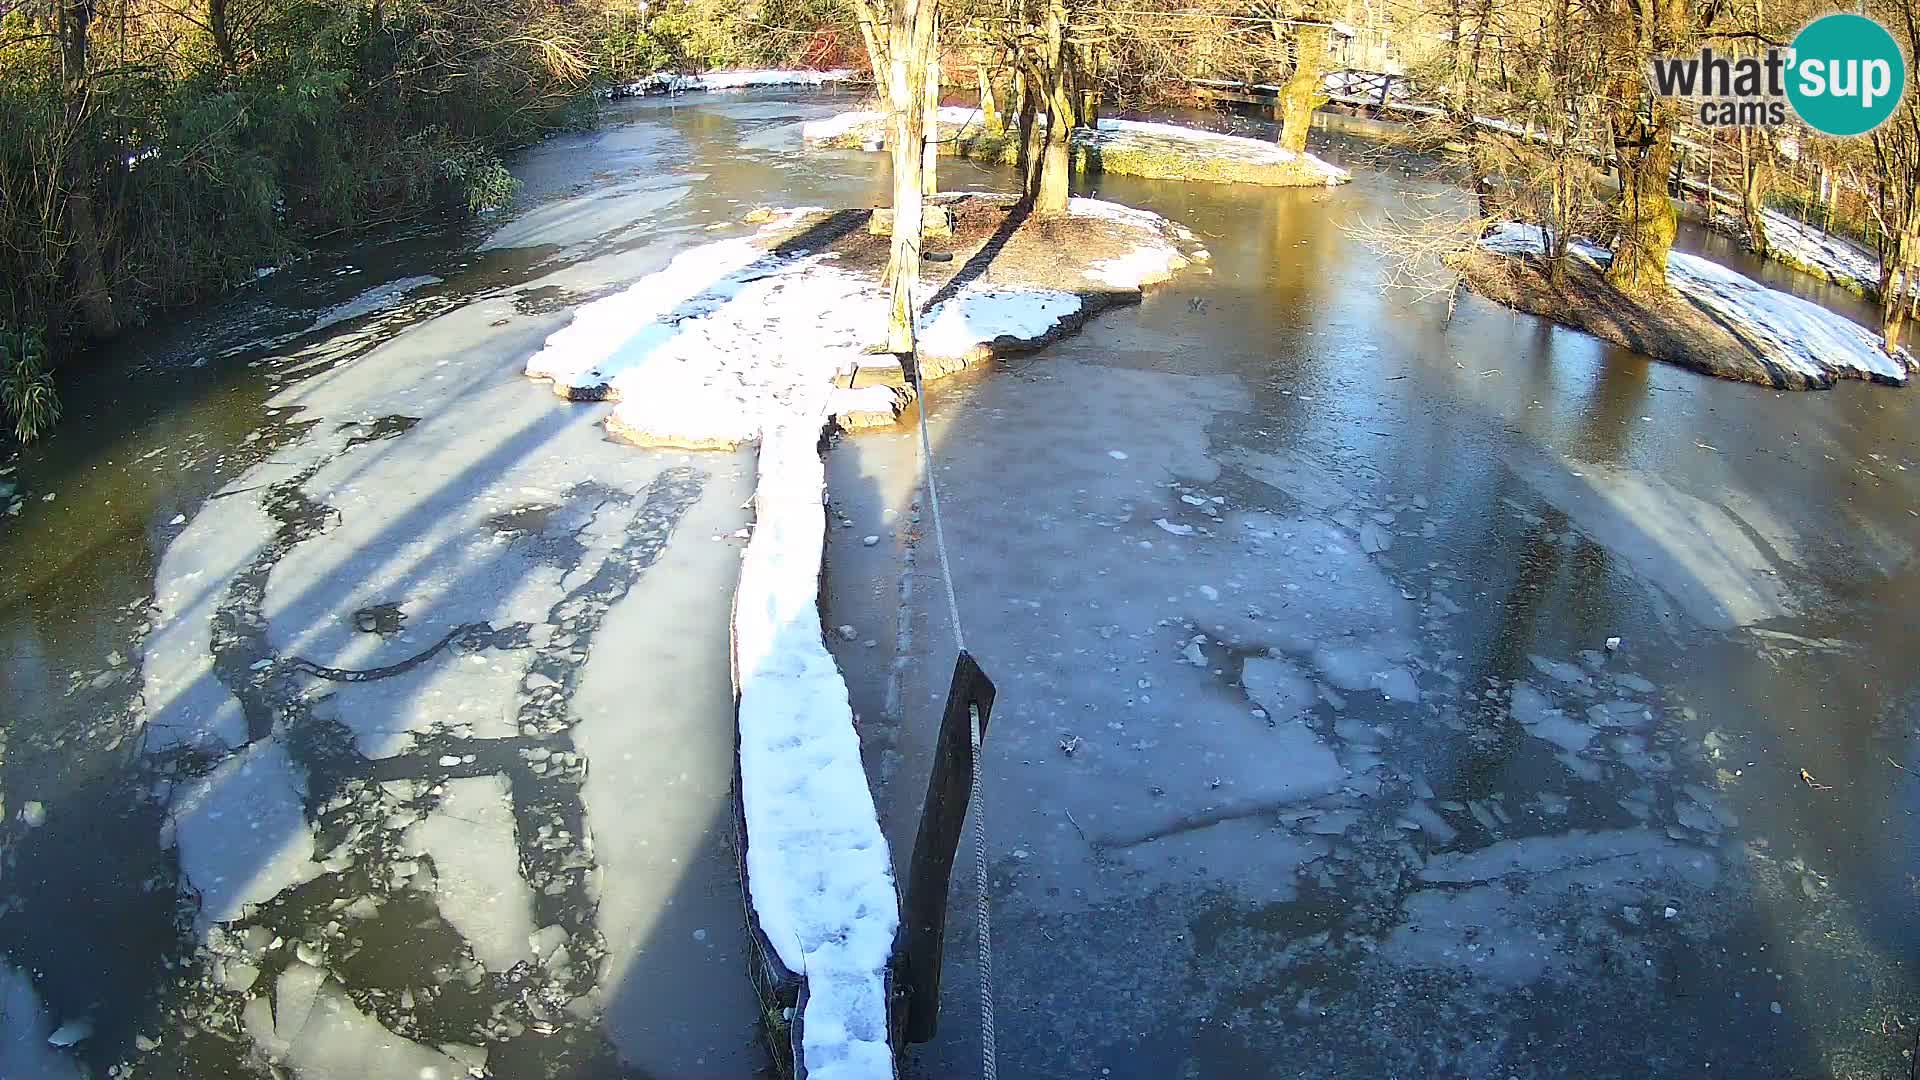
[(1838, 259), (1794, 333), (1802, 246), (670, 82), (1111, 138)]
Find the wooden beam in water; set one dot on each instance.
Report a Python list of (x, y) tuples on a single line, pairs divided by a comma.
[(929, 877)]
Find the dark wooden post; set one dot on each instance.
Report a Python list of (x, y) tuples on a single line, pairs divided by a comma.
[(949, 788)]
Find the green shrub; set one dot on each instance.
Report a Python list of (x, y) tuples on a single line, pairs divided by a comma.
[(26, 386)]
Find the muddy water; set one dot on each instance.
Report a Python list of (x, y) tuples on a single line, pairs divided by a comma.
[(1223, 900)]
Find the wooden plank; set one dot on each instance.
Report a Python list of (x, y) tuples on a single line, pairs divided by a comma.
[(949, 789)]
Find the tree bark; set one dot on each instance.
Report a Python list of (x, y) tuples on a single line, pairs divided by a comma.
[(1643, 214), (220, 27), (1305, 87), (1755, 152), (85, 254), (908, 49), (1896, 275), (991, 121), (1052, 186), (1645, 221), (1028, 160), (930, 139)]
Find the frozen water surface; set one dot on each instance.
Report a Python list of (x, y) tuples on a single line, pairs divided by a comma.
[(385, 702)]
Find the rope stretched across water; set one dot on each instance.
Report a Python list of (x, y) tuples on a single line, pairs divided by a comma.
[(983, 938)]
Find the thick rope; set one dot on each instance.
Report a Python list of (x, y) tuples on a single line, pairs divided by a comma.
[(933, 504), (983, 928), (989, 1052)]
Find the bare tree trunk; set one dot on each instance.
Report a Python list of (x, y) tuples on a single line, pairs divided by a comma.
[(84, 242), (219, 26), (1643, 213), (1052, 186), (1457, 57), (909, 50), (1756, 152), (1644, 217), (1304, 88), (1482, 17), (1896, 270), (991, 121), (930, 143), (1028, 161)]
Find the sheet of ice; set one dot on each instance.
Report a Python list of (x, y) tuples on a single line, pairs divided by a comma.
[(378, 298), (242, 831), (602, 340), (1797, 334), (182, 702), (817, 865), (313, 1026), (24, 1027), (470, 838)]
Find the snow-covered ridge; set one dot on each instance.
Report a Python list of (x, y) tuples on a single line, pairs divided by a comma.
[(1840, 260), (1797, 334), (1804, 247), (671, 82), (1111, 136)]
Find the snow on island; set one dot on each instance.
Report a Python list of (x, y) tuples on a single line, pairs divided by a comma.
[(764, 338), (1792, 343), (1153, 150), (672, 82)]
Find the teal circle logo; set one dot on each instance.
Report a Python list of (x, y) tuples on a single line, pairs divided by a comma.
[(1845, 74)]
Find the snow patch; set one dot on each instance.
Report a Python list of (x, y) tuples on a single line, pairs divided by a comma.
[(980, 314), (1840, 259), (840, 124)]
